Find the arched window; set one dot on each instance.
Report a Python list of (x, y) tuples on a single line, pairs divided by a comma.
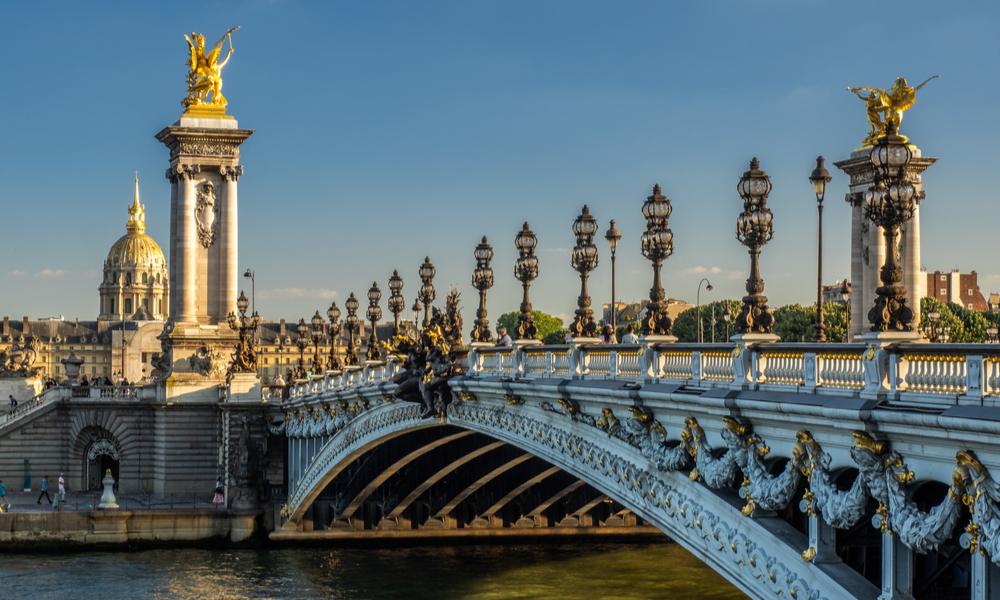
[(128, 279), (145, 278)]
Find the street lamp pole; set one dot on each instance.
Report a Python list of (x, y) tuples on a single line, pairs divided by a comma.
[(845, 295), (819, 178), (584, 259), (708, 288), (613, 236)]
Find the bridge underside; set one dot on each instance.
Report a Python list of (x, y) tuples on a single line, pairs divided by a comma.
[(445, 481)]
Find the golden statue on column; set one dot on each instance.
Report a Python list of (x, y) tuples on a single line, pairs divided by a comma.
[(886, 107), (204, 77)]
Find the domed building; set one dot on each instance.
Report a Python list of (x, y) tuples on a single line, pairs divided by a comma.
[(135, 284)]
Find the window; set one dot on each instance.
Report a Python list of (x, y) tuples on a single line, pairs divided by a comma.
[(970, 291), (970, 306), (128, 306), (145, 279), (944, 278), (942, 292)]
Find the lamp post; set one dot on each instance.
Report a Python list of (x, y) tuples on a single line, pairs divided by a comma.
[(416, 315), (396, 302), (302, 330), (819, 178), (890, 204), (934, 330), (754, 228), (526, 270), (992, 334), (727, 318), (353, 325), (657, 245), (427, 272), (374, 314), (248, 274), (245, 357), (584, 260), (317, 336), (701, 326), (333, 313), (482, 280), (845, 295), (613, 236)]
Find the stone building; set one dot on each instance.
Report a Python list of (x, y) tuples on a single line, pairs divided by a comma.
[(957, 288)]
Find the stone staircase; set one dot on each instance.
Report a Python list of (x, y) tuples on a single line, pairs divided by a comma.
[(30, 409)]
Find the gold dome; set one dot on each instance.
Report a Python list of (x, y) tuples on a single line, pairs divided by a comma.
[(135, 248)]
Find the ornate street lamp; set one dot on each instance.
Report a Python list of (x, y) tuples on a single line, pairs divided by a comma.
[(396, 303), (934, 330), (992, 334), (301, 342), (526, 270), (482, 280), (701, 325), (416, 315), (245, 357), (819, 178), (613, 236), (353, 324), (657, 244), (374, 314), (317, 336), (890, 204), (333, 313), (845, 295), (427, 272), (584, 260), (727, 317), (754, 228)]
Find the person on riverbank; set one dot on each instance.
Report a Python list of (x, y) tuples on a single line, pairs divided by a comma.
[(219, 498), (4, 507), (43, 485), (62, 488)]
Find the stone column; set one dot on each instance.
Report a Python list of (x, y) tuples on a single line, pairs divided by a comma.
[(857, 271), (185, 238), (912, 277), (229, 262)]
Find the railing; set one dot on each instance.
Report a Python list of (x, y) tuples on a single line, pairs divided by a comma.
[(23, 409)]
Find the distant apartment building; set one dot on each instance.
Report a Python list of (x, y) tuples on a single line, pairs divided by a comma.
[(956, 287), (635, 311), (839, 291)]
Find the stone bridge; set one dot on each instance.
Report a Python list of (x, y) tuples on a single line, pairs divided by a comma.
[(794, 470)]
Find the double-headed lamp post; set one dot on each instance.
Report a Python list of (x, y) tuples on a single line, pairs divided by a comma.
[(657, 245), (482, 280), (427, 272), (754, 228), (396, 302), (353, 324), (333, 313), (301, 342), (374, 314), (819, 178), (613, 236), (526, 270), (317, 336), (584, 260)]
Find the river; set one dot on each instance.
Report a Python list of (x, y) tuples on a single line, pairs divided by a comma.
[(494, 572)]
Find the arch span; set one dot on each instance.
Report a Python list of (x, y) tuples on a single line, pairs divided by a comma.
[(754, 553)]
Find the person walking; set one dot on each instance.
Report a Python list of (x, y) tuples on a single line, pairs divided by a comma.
[(219, 498), (630, 337), (13, 404), (62, 488), (43, 485), (4, 507)]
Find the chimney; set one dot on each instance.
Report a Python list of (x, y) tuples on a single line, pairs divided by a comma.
[(281, 328), (25, 328), (6, 326)]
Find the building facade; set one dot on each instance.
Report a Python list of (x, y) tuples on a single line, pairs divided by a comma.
[(956, 287)]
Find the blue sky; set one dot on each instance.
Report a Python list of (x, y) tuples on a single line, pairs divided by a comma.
[(387, 131)]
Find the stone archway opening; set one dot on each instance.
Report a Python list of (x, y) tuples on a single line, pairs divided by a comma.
[(101, 456)]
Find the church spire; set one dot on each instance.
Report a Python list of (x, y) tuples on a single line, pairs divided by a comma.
[(136, 212)]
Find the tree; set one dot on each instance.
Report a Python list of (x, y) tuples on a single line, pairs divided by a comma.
[(686, 323), (795, 323), (946, 318), (548, 326)]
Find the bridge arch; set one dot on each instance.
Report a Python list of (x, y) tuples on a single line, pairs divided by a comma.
[(751, 553)]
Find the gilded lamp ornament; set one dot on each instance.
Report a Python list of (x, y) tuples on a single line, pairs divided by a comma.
[(754, 228), (657, 244), (244, 359), (890, 204), (584, 260), (204, 78), (885, 108), (526, 270), (482, 280)]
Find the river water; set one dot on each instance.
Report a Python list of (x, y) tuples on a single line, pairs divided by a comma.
[(543, 572)]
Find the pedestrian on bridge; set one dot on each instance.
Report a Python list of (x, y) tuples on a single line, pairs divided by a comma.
[(43, 485), (13, 404), (630, 337), (503, 340)]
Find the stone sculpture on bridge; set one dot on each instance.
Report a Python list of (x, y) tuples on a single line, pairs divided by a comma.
[(19, 361), (429, 362)]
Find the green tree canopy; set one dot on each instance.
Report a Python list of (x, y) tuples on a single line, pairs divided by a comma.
[(686, 323), (793, 322), (549, 327)]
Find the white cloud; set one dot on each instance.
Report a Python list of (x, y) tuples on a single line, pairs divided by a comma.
[(292, 293), (16, 273), (50, 273), (702, 270)]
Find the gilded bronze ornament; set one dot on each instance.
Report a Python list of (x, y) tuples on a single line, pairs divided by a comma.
[(374, 314), (890, 204), (427, 272), (396, 303), (657, 244), (754, 228), (244, 359), (885, 108), (584, 260), (353, 325), (482, 280), (333, 313), (204, 76), (526, 270)]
